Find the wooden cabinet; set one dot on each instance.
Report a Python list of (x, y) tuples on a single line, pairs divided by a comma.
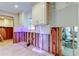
[(6, 32), (9, 32), (2, 32)]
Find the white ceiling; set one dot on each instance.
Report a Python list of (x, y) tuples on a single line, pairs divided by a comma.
[(23, 7)]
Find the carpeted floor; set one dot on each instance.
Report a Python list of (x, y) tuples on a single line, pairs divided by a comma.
[(7, 48)]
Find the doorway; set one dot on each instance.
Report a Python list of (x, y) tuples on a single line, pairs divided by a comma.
[(6, 29)]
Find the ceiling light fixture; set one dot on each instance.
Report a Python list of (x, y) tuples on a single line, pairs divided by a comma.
[(16, 6)]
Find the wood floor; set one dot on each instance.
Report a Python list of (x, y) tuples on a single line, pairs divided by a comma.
[(7, 48)]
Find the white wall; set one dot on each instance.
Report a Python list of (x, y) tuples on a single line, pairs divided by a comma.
[(39, 19), (39, 13), (43, 29), (53, 20), (1, 23), (23, 22), (6, 22), (16, 22), (24, 18), (67, 16), (78, 22), (64, 14)]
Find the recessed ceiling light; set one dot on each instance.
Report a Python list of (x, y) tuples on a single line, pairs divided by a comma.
[(16, 6)]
